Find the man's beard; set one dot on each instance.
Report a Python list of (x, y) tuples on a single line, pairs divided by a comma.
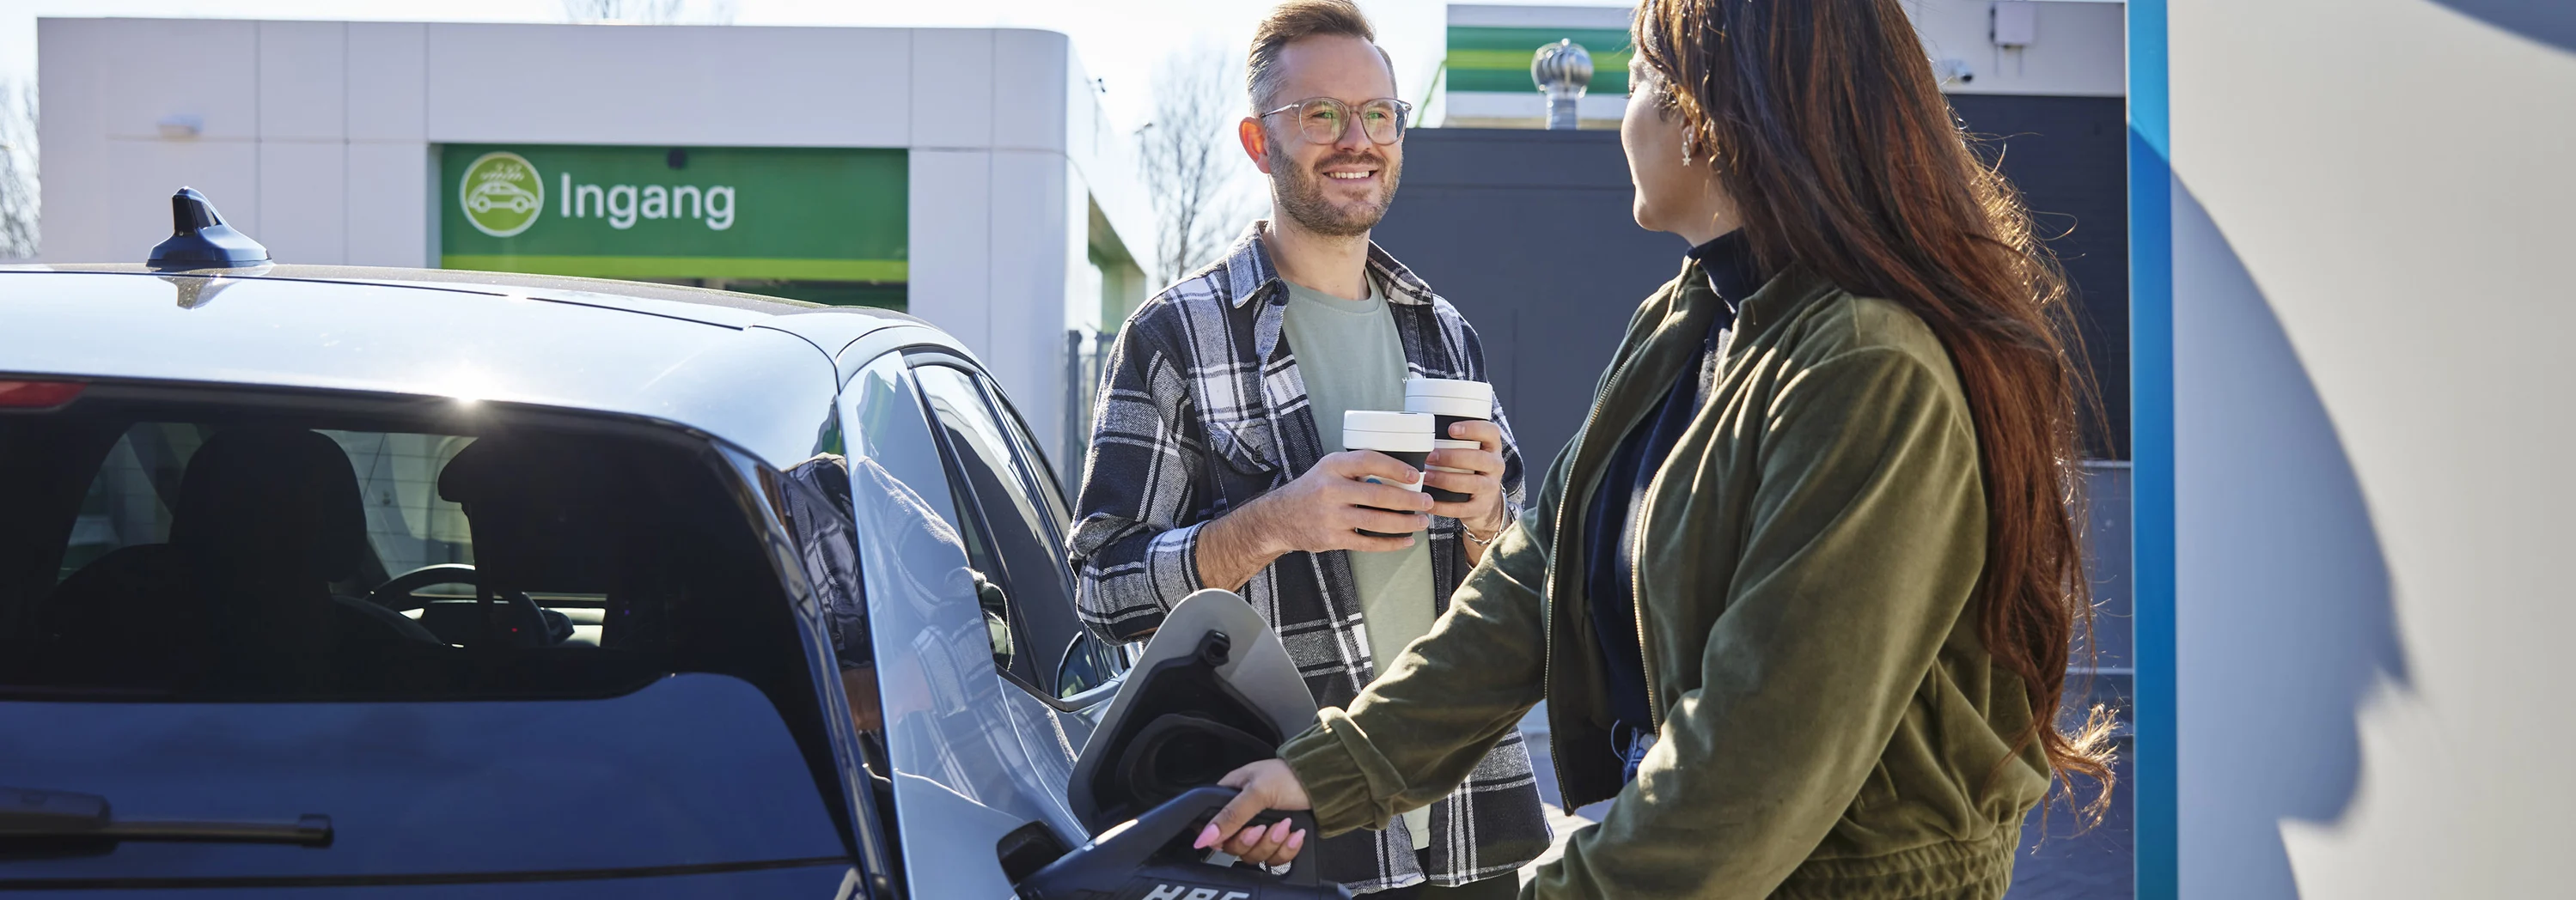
[(1300, 194)]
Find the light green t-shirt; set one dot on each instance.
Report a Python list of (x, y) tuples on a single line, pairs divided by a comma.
[(1351, 358)]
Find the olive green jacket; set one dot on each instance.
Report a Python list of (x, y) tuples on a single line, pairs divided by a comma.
[(1830, 725)]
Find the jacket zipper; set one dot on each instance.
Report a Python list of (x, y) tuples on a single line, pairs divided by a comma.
[(1637, 556), (1637, 605)]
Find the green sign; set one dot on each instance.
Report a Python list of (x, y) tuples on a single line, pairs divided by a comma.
[(787, 214), (1498, 59), (500, 193)]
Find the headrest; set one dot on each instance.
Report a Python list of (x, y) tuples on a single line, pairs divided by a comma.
[(547, 512), (276, 500)]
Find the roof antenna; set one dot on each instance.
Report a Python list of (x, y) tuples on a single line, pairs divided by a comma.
[(199, 239)]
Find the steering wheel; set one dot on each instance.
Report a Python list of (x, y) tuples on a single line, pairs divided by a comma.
[(396, 593), (542, 627)]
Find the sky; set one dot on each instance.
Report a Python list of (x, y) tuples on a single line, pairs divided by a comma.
[(1120, 41)]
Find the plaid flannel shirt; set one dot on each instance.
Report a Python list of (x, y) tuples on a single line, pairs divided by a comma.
[(1201, 410)]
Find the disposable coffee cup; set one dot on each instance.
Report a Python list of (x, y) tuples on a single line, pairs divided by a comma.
[(1405, 436), (1451, 496), (1449, 401)]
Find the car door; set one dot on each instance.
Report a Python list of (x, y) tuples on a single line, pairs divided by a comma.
[(1016, 533), (963, 773)]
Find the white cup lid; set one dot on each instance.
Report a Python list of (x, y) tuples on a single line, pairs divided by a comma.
[(1385, 420), (1398, 432), (1478, 391), (1462, 407)]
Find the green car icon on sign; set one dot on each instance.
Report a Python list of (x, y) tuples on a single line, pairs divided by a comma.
[(501, 194)]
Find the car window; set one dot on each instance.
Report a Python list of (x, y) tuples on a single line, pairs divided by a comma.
[(194, 587), (1087, 663), (1043, 483), (207, 545), (1017, 550), (1005, 534)]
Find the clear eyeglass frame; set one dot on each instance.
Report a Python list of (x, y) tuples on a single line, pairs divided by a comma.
[(1324, 120)]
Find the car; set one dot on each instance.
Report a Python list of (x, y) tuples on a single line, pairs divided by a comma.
[(347, 579), (488, 195)]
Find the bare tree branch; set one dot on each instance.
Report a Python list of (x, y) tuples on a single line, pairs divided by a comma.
[(1193, 166), (18, 184), (647, 12)]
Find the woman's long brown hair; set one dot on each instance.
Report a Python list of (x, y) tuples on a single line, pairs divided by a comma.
[(1827, 130)]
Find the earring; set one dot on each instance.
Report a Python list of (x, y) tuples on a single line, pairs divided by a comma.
[(1686, 150)]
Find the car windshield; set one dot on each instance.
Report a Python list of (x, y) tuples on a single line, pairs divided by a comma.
[(379, 611)]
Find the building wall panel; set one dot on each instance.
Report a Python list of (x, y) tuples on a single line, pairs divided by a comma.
[(1030, 69), (950, 211), (580, 84), (1030, 242), (303, 201), (952, 88), (2370, 486), (73, 135), (207, 68), (391, 188), (303, 81), (388, 78)]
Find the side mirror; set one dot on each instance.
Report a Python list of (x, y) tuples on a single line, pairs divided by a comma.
[(1087, 665), (997, 617)]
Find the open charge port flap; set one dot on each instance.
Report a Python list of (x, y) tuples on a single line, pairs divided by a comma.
[(1213, 690)]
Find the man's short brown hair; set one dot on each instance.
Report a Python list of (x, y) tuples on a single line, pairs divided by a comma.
[(1293, 21)]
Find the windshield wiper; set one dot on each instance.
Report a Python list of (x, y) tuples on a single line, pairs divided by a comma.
[(35, 813)]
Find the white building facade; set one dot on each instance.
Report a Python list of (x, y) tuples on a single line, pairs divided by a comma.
[(967, 176)]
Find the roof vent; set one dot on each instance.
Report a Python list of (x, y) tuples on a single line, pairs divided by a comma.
[(1563, 70), (199, 239)]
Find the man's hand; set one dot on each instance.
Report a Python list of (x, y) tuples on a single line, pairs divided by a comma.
[(1482, 513), (1268, 784), (1326, 508), (1321, 510)]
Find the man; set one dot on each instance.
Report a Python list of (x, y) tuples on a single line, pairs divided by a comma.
[(1213, 464)]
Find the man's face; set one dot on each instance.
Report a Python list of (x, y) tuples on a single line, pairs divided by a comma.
[(1343, 188)]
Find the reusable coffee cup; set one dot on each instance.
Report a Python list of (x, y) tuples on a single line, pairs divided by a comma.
[(1449, 401), (1405, 436), (1451, 496)]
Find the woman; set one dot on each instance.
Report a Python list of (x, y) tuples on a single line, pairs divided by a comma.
[(1802, 590)]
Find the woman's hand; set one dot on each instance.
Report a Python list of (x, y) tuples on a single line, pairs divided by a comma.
[(1267, 784)]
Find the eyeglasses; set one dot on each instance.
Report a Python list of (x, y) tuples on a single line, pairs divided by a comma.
[(1324, 120)]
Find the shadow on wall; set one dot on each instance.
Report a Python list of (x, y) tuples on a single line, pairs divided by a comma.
[(2549, 23), (2284, 623)]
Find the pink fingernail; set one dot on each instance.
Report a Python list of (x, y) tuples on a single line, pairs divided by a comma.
[(1296, 839), (1207, 838)]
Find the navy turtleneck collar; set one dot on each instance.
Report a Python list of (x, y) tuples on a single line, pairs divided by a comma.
[(1732, 270)]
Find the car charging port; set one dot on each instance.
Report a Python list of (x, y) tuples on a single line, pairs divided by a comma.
[(1027, 849), (1186, 728)]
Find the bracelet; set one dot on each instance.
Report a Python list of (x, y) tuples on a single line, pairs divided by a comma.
[(1486, 541)]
